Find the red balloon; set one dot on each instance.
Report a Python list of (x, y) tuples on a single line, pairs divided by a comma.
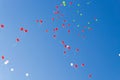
[(46, 30), (53, 19), (57, 7), (63, 42), (37, 21), (83, 30), (17, 39), (64, 52), (41, 21), (70, 3), (54, 36), (64, 20), (68, 31), (65, 46), (76, 65), (26, 30), (3, 57), (56, 29), (77, 50), (2, 26), (90, 75), (69, 47), (63, 25), (68, 25), (82, 65), (21, 28)]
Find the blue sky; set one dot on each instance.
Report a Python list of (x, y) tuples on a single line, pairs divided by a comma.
[(42, 56)]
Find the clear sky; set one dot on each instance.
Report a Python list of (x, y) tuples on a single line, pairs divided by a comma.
[(42, 56)]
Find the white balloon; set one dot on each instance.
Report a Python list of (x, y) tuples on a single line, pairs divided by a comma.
[(27, 74), (71, 64), (6, 62), (119, 54), (12, 69)]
